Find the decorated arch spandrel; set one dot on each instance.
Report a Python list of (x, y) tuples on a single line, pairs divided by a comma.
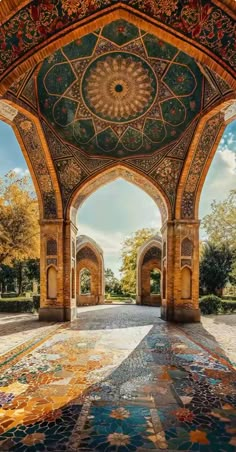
[(198, 160), (33, 146), (206, 29)]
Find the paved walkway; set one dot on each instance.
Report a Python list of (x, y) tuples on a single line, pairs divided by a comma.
[(118, 379), (16, 329)]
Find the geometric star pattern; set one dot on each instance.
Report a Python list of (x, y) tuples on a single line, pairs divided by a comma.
[(119, 92)]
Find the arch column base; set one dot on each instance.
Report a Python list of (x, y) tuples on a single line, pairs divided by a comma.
[(180, 314), (60, 314)]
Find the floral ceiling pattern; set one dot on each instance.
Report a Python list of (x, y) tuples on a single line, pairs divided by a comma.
[(202, 21), (119, 92)]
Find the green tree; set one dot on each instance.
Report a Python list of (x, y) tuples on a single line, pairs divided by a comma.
[(129, 253), (215, 267), (85, 281), (155, 282), (220, 224), (112, 284), (19, 228), (7, 278), (32, 270)]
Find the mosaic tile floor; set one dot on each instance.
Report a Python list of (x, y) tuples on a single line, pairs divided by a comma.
[(118, 379)]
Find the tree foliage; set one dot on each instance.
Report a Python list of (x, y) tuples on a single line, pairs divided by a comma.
[(85, 281), (129, 253), (19, 276), (215, 267), (112, 284), (220, 224), (155, 281), (19, 228)]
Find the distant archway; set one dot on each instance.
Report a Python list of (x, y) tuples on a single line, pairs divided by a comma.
[(89, 272), (148, 261)]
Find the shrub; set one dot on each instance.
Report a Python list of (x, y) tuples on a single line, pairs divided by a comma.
[(228, 306), (210, 304), (36, 302), (9, 295), (19, 305)]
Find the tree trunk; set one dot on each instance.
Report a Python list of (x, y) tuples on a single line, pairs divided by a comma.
[(20, 277)]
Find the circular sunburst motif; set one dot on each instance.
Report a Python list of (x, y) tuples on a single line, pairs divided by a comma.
[(119, 87)]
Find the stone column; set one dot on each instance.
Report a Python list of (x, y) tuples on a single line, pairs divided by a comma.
[(56, 252), (180, 268)]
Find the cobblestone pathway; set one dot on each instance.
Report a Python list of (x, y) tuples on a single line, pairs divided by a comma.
[(118, 379)]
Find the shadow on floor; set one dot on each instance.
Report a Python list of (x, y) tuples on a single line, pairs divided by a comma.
[(12, 324)]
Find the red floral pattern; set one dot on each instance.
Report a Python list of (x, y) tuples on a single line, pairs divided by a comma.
[(201, 20)]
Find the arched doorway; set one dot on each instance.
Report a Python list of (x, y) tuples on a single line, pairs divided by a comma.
[(89, 272), (149, 270), (168, 142)]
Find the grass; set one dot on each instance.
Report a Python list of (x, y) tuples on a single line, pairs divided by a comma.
[(16, 299)]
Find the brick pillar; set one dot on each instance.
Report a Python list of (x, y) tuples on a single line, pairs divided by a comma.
[(56, 252), (70, 232), (180, 267)]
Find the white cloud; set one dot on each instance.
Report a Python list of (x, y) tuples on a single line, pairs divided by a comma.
[(110, 242), (229, 158), (21, 171), (220, 180)]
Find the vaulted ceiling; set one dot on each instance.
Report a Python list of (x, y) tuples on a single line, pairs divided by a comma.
[(119, 92)]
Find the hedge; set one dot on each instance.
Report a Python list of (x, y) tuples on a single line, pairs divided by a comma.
[(211, 304), (9, 295), (229, 297), (20, 304), (228, 306)]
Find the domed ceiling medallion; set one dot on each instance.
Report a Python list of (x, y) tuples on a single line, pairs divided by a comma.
[(119, 92), (119, 87)]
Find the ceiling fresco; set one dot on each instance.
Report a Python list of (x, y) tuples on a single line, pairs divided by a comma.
[(119, 92)]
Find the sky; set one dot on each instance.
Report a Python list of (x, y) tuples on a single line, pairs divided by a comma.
[(118, 209)]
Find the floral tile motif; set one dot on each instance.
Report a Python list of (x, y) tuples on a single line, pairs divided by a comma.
[(118, 428), (51, 433)]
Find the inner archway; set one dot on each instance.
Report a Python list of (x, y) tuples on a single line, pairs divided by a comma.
[(149, 271), (115, 211), (155, 282), (90, 272), (84, 282)]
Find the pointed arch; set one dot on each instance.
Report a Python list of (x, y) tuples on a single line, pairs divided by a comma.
[(149, 258), (89, 256), (31, 139), (199, 158), (109, 175)]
